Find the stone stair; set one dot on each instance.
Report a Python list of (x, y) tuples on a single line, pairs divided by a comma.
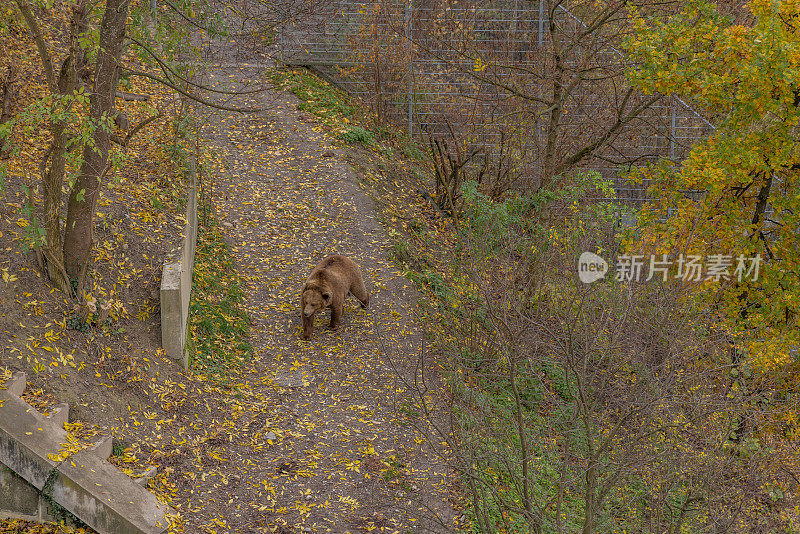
[(33, 486)]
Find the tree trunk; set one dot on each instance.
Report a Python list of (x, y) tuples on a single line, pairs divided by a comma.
[(554, 122), (80, 210), (9, 88), (53, 177), (589, 498), (52, 181)]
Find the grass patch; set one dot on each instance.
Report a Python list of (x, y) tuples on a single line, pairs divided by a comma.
[(356, 134), (337, 110), (319, 97), (412, 151), (401, 253), (218, 324)]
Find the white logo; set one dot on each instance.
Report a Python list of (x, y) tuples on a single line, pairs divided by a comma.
[(591, 267)]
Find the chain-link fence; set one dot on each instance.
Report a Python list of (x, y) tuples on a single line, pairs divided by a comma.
[(485, 76)]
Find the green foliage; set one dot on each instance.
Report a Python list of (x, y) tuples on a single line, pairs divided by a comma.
[(488, 225), (219, 325), (118, 448), (172, 36), (396, 472), (433, 282), (74, 322), (488, 222), (746, 76), (384, 132), (318, 97), (401, 253), (412, 151), (357, 134)]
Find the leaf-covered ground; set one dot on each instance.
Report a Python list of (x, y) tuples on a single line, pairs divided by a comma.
[(316, 441)]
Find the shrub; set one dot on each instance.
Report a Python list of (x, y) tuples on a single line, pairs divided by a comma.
[(357, 134)]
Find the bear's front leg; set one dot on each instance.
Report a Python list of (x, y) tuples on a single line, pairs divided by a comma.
[(308, 326), (336, 315)]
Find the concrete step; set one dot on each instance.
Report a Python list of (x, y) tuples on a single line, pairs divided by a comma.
[(85, 484)]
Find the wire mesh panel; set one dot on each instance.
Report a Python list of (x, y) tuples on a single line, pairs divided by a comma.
[(361, 46), (515, 96)]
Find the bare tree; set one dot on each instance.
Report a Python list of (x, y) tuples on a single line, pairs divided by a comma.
[(552, 88), (538, 89)]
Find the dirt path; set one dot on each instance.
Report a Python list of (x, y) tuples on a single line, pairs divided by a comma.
[(341, 458)]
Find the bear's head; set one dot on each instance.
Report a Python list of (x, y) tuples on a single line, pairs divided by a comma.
[(315, 299)]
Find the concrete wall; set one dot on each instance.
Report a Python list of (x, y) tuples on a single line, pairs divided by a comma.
[(20, 500), (176, 287), (38, 484)]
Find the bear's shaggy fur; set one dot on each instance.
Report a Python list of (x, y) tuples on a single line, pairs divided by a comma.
[(327, 287)]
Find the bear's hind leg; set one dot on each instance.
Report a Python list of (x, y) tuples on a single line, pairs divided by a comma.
[(360, 292)]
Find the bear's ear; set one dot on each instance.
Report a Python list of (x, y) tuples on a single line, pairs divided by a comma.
[(326, 296)]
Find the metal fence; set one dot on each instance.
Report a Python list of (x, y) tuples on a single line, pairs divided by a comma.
[(475, 71)]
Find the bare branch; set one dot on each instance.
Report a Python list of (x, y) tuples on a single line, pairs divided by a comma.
[(41, 46), (182, 15), (589, 149), (188, 95), (170, 71), (128, 97), (485, 79), (124, 141)]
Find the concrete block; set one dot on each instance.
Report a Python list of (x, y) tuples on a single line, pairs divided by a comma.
[(146, 476), (17, 498), (103, 447), (172, 334), (34, 487), (59, 415), (105, 498), (16, 384), (176, 287), (189, 246), (26, 438)]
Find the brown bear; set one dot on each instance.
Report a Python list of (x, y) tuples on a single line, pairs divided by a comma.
[(327, 287)]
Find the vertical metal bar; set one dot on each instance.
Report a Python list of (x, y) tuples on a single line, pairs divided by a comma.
[(541, 23), (409, 37), (280, 42), (154, 14), (672, 129)]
